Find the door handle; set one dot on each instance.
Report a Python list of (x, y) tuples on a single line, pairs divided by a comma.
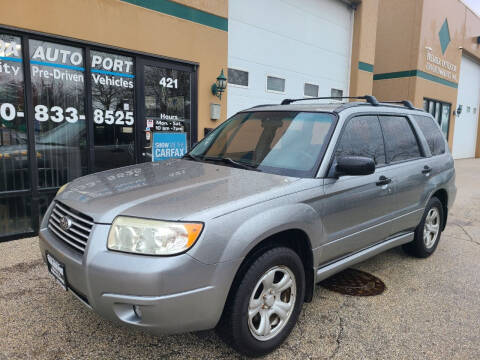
[(382, 180), (426, 169)]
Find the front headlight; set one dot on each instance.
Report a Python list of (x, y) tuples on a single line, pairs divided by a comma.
[(152, 237)]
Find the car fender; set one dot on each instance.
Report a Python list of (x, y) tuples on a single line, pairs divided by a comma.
[(264, 224)]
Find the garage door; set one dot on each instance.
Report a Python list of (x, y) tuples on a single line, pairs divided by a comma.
[(287, 49), (466, 124)]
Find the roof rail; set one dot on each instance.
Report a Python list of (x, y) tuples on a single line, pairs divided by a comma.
[(368, 98), (262, 105), (405, 103)]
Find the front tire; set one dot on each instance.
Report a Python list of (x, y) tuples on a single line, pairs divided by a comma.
[(428, 232), (265, 306)]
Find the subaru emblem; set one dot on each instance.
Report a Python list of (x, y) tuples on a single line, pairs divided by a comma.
[(65, 223)]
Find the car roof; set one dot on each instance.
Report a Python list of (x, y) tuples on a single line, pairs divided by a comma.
[(318, 107), (333, 107)]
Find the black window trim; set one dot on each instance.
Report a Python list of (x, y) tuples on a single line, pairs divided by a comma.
[(422, 135), (309, 174), (342, 132), (345, 123), (422, 145)]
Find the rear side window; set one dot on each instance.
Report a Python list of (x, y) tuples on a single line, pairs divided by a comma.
[(400, 141), (362, 137), (432, 133)]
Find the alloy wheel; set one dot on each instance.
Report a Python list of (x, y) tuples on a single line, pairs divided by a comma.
[(272, 302), (431, 228)]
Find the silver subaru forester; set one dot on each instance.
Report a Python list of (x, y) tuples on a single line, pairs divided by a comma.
[(236, 234)]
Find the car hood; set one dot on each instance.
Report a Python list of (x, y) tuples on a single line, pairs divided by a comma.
[(171, 190)]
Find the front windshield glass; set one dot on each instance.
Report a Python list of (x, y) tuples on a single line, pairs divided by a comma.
[(280, 142)]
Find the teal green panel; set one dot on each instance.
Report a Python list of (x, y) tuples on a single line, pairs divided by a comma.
[(444, 36), (184, 12), (365, 66), (394, 75), (436, 79), (418, 73)]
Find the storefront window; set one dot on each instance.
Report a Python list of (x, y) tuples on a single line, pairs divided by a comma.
[(14, 211), (71, 135), (113, 84), (57, 75), (440, 111), (13, 129)]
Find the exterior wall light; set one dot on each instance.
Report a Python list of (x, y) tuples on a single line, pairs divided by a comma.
[(459, 110), (219, 87)]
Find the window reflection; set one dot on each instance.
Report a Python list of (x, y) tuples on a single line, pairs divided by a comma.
[(167, 99), (113, 84), (13, 129), (57, 74)]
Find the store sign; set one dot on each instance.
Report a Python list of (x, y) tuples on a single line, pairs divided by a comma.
[(58, 97), (169, 126), (440, 66), (113, 83), (168, 145), (10, 57)]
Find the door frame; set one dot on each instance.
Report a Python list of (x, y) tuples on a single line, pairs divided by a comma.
[(140, 141)]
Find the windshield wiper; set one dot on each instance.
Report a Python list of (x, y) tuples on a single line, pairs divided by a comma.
[(190, 156), (227, 160)]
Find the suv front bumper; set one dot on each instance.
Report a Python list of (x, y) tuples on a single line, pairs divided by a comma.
[(172, 294)]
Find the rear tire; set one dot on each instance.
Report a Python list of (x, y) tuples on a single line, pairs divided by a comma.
[(264, 308), (428, 232)]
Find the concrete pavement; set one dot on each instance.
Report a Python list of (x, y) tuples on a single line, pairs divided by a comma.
[(430, 309)]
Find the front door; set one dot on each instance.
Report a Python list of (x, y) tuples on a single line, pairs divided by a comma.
[(357, 209), (167, 110)]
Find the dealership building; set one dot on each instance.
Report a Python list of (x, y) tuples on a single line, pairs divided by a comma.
[(90, 85)]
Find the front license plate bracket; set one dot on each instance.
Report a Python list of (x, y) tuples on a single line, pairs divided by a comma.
[(57, 269)]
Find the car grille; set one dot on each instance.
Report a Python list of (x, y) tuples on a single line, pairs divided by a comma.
[(70, 226)]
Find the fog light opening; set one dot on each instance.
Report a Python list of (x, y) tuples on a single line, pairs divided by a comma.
[(138, 311)]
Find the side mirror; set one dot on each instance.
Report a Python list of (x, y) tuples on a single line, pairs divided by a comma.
[(354, 165)]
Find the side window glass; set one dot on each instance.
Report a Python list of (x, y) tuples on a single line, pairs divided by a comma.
[(400, 141), (432, 133), (362, 136)]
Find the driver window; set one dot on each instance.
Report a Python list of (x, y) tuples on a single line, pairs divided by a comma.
[(362, 136)]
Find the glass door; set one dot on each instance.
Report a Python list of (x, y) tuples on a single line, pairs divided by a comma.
[(167, 110)]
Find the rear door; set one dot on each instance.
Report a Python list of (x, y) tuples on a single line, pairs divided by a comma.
[(356, 209), (406, 161)]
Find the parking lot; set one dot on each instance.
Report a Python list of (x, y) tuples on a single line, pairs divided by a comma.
[(430, 308)]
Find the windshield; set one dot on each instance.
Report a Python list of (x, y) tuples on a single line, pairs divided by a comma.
[(280, 142)]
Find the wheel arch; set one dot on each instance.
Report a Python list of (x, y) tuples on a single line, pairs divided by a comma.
[(442, 195), (295, 239)]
